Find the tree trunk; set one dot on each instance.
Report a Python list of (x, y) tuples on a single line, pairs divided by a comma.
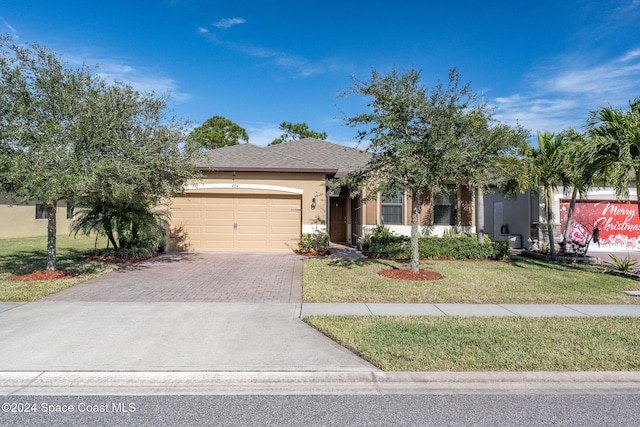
[(415, 232), (548, 200), (480, 215), (51, 235), (572, 207), (112, 239)]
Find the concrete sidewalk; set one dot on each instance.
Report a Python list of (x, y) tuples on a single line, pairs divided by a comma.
[(524, 310), (107, 336), (89, 348)]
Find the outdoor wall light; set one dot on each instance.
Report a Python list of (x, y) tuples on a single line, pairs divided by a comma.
[(313, 203)]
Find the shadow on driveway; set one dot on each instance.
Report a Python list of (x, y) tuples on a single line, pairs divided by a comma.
[(197, 277)]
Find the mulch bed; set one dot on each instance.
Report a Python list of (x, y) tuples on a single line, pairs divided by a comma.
[(112, 259), (316, 253), (403, 274), (68, 274), (45, 275)]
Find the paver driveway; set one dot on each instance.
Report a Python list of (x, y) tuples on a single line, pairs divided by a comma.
[(197, 277)]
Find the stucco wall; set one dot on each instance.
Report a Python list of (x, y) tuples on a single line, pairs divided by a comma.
[(516, 215), (19, 220), (465, 215)]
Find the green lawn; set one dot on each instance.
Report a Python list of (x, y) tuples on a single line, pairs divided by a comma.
[(522, 281), (488, 344), (26, 255)]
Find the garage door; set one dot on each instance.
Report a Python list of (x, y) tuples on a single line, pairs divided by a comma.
[(238, 223)]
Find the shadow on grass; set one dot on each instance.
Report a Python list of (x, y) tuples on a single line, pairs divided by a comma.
[(28, 261), (359, 262), (516, 262), (524, 262)]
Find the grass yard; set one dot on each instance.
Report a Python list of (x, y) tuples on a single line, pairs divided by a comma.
[(26, 255), (488, 344), (522, 281)]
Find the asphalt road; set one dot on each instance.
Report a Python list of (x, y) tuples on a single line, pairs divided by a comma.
[(390, 410)]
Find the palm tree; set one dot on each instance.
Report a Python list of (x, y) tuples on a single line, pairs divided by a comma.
[(585, 167), (126, 225), (616, 136), (546, 170)]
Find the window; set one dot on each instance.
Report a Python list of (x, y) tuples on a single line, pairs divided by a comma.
[(41, 211), (70, 207), (445, 207), (391, 209)]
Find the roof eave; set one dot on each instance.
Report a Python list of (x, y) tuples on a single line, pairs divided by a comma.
[(266, 169)]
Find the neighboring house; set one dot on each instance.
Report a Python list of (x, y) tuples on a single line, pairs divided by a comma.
[(30, 219), (523, 218), (261, 199)]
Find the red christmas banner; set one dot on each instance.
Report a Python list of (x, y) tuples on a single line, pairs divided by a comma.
[(605, 225)]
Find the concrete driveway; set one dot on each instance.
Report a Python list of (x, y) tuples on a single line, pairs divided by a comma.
[(197, 277), (192, 312)]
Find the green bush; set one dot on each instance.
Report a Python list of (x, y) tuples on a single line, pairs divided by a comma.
[(450, 246), (385, 244), (310, 242), (462, 246)]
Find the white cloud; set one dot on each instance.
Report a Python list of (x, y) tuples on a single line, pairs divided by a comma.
[(631, 54), (563, 97), (299, 66), (12, 30), (142, 79), (261, 134), (202, 30), (229, 22)]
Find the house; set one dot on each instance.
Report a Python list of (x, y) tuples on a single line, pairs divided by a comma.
[(523, 219), (262, 198), (30, 219)]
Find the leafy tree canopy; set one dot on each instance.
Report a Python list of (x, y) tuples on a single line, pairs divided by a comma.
[(616, 144), (217, 132), (295, 131), (423, 139), (65, 133)]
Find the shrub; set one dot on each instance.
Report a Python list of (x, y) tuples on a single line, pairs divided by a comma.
[(365, 241), (626, 264), (450, 246), (310, 242), (385, 244), (462, 246)]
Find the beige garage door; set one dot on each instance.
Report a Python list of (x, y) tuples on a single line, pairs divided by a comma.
[(238, 223)]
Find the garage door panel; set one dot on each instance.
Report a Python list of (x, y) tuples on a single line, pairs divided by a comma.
[(228, 216), (253, 216), (187, 214), (219, 229), (193, 229), (263, 223), (252, 230)]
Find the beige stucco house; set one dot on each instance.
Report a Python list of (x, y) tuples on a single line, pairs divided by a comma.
[(262, 198), (30, 219)]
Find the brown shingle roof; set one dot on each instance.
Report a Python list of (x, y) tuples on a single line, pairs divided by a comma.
[(305, 155), (329, 155), (247, 157)]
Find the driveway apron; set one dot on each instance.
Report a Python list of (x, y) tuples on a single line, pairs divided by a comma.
[(197, 277), (185, 312)]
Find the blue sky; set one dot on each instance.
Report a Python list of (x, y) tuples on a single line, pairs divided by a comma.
[(544, 64)]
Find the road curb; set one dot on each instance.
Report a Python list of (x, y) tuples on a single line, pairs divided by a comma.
[(314, 383)]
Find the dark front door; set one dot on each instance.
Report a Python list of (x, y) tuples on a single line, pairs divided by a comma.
[(338, 220)]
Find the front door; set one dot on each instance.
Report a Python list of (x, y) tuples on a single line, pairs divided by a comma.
[(338, 220)]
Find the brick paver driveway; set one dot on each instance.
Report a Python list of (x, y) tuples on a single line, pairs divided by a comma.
[(197, 277)]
